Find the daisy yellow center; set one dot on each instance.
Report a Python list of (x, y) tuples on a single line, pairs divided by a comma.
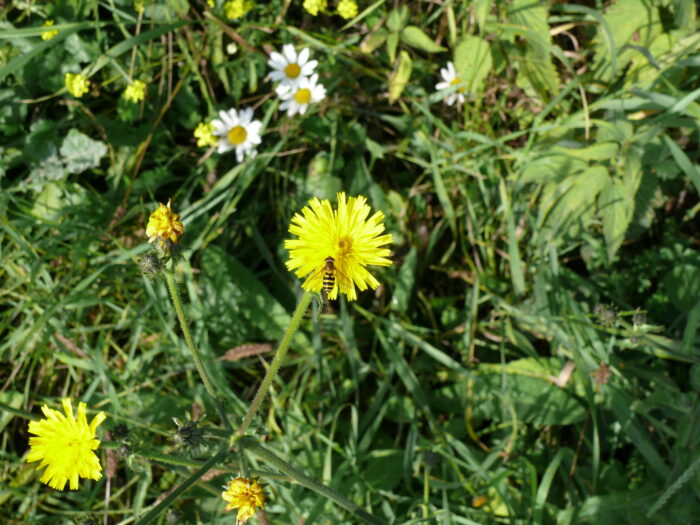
[(303, 96), (455, 82), (237, 135), (292, 70)]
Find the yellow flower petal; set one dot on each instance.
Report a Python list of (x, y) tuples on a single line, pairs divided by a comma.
[(246, 495)]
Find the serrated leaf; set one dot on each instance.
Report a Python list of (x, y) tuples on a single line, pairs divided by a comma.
[(473, 62), (616, 207), (80, 152), (399, 77), (416, 38)]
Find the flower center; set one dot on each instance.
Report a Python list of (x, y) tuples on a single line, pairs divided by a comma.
[(455, 82), (303, 96), (292, 70), (344, 246), (237, 135)]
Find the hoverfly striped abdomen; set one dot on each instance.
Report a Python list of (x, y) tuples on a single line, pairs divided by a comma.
[(328, 275)]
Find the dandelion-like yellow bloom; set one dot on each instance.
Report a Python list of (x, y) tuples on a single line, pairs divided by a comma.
[(77, 84), (314, 6), (65, 445), (236, 8), (245, 495), (165, 225), (204, 133), (135, 91), (48, 35), (347, 9), (347, 235)]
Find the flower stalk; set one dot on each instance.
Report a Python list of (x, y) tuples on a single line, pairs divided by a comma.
[(170, 279), (275, 365)]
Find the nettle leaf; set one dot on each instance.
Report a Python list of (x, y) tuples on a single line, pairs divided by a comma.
[(473, 62), (616, 207), (80, 152)]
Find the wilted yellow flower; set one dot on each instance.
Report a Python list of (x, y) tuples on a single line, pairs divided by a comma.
[(65, 445), (334, 246), (236, 8), (204, 133), (165, 225), (314, 6), (245, 495), (48, 35), (135, 91), (347, 9), (77, 84)]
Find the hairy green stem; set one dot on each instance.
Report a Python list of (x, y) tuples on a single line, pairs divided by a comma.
[(169, 277), (252, 445), (276, 363)]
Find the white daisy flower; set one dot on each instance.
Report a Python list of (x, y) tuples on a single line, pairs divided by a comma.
[(290, 68), (449, 79), (237, 130), (297, 98)]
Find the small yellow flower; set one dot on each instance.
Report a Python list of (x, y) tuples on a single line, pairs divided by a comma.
[(48, 35), (135, 91), (204, 133), (65, 445), (139, 7), (245, 495), (347, 9), (77, 84), (211, 3), (236, 8), (164, 225), (314, 6), (346, 235)]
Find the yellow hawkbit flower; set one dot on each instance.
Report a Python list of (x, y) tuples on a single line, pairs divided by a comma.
[(77, 84), (347, 9), (135, 91), (245, 495), (164, 225), (65, 445), (204, 133), (48, 35), (314, 6), (236, 8), (334, 246)]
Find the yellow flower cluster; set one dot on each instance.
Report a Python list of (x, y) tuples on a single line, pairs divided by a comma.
[(234, 9), (65, 446), (135, 91), (204, 133), (77, 84), (48, 35), (347, 9), (245, 495), (314, 6)]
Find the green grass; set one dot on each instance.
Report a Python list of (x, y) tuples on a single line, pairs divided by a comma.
[(532, 355)]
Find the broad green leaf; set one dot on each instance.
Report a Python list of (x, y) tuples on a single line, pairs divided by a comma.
[(631, 22), (397, 18), (576, 207), (537, 64), (616, 207), (399, 77), (473, 62), (415, 37), (392, 44), (551, 167), (80, 152)]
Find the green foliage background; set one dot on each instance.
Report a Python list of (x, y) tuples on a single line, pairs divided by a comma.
[(532, 355)]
